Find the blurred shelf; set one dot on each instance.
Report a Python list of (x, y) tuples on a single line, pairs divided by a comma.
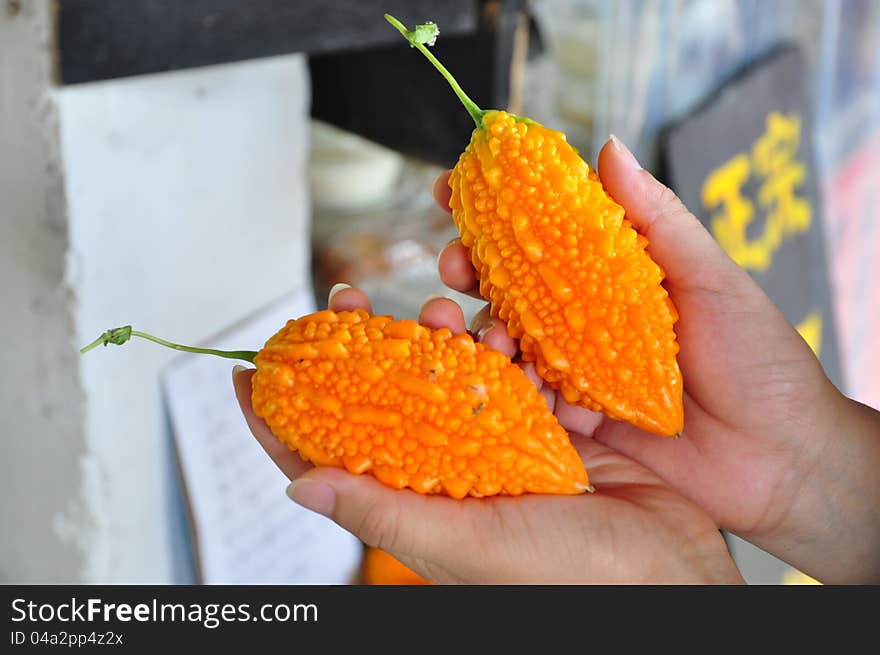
[(364, 77), (106, 39)]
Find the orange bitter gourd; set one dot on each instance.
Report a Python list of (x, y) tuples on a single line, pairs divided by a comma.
[(419, 408), (563, 267), (382, 568)]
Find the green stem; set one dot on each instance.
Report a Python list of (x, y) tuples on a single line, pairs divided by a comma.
[(119, 336), (417, 39)]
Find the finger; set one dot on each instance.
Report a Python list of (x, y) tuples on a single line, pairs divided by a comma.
[(492, 332), (290, 463), (677, 240), (546, 392), (442, 313), (345, 298), (456, 269), (608, 468), (399, 521), (671, 459), (442, 192), (577, 419)]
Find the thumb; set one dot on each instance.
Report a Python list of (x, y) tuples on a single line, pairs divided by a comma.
[(401, 522), (677, 240)]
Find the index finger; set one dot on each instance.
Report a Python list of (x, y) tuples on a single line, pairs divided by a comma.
[(442, 192), (456, 269)]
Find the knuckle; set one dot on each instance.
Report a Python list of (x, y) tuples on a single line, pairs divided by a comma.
[(378, 526), (665, 204), (665, 199)]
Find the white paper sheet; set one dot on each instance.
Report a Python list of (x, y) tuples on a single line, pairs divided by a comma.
[(246, 531)]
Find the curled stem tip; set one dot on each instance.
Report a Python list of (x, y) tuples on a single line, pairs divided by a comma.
[(118, 336), (426, 34)]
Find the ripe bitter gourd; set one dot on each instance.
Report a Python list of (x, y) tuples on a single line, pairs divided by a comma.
[(563, 267), (415, 407)]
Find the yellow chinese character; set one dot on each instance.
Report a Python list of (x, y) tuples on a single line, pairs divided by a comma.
[(774, 161), (723, 189)]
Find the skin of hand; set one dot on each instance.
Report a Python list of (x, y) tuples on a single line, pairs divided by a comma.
[(770, 448), (634, 530)]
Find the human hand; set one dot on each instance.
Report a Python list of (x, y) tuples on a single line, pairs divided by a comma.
[(634, 529), (762, 450)]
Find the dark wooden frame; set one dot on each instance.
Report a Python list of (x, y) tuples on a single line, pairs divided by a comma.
[(364, 78)]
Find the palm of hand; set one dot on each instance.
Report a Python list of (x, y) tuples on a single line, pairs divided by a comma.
[(751, 386), (635, 530)]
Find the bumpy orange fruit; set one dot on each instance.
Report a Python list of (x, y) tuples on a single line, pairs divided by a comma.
[(562, 266), (567, 272), (415, 407)]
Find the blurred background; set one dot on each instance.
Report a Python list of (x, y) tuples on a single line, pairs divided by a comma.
[(200, 169)]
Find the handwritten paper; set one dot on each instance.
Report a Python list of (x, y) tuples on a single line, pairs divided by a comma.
[(245, 530)]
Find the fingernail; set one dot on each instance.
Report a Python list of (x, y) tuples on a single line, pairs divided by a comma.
[(443, 249), (619, 146), (340, 286), (238, 368), (434, 297), (313, 495), (487, 327), (440, 255)]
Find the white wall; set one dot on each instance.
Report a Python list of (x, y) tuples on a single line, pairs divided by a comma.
[(186, 208), (41, 404)]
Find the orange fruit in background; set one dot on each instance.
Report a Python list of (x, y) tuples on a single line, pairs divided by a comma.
[(381, 568)]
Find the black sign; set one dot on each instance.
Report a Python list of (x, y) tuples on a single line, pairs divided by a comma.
[(743, 163)]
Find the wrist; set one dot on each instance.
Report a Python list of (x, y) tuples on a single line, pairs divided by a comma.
[(832, 529)]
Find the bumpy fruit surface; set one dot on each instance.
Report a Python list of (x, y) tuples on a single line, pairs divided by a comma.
[(566, 271), (415, 407)]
